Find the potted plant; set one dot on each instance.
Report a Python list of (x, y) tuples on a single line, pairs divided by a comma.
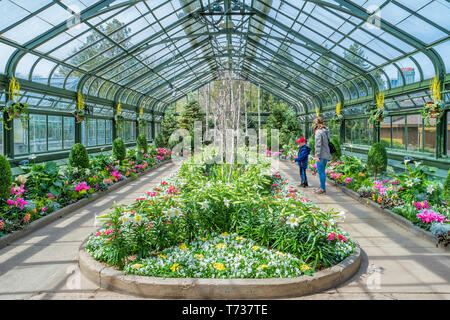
[(16, 110), (79, 115), (433, 109), (378, 114)]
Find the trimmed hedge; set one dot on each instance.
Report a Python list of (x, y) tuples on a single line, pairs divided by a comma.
[(78, 156), (5, 178), (119, 150)]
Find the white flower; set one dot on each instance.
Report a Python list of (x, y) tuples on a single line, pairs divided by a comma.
[(33, 156), (203, 205), (292, 221), (341, 216), (430, 189), (409, 183), (416, 180), (226, 202)]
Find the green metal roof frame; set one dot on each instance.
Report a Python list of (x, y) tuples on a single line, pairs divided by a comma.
[(266, 47)]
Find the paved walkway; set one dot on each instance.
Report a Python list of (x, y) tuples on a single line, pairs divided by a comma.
[(395, 264)]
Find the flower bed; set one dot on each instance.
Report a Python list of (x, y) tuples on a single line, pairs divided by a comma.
[(45, 188), (410, 194), (202, 200)]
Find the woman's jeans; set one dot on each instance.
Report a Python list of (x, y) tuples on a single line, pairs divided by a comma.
[(321, 169)]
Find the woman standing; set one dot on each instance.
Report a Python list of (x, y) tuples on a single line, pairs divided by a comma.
[(322, 154)]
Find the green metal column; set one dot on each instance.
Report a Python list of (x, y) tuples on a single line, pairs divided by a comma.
[(8, 135), (78, 129)]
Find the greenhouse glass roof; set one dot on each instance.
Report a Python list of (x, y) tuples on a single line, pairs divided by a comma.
[(312, 53)]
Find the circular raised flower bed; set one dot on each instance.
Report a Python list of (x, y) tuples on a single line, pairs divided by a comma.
[(200, 288)]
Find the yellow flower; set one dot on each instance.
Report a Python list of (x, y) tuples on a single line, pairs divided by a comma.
[(182, 246), (254, 248), (221, 245), (219, 266), (162, 255), (239, 238), (137, 265), (304, 267), (367, 202), (225, 234), (203, 239), (263, 266), (200, 256), (175, 267), (373, 197)]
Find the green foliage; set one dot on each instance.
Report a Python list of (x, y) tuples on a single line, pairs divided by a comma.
[(44, 178), (141, 143), (5, 178), (337, 155), (283, 119), (447, 187), (168, 126), (119, 150), (78, 156), (377, 159)]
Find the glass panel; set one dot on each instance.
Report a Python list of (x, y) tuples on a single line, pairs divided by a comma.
[(415, 133), (38, 133), (398, 132), (430, 137), (69, 132), (385, 132), (348, 127), (20, 138), (108, 131), (101, 131), (54, 133), (92, 132)]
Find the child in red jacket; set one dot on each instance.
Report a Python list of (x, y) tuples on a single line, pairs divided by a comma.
[(302, 160)]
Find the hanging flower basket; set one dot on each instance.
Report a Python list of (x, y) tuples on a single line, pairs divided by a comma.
[(377, 116), (16, 110), (432, 110), (337, 118), (80, 115)]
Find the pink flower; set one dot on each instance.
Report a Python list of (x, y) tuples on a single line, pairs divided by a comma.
[(428, 216), (116, 174), (348, 180), (331, 236), (82, 186), (342, 238), (44, 209)]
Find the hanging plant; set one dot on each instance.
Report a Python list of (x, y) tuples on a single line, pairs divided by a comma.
[(338, 117), (17, 110), (435, 108), (378, 114), (13, 108), (119, 119), (80, 113), (142, 123)]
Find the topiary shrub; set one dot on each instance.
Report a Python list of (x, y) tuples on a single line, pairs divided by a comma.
[(338, 154), (118, 149), (141, 143), (377, 159), (447, 187), (5, 178), (78, 156)]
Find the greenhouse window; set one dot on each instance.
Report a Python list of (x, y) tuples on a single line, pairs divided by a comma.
[(1, 139), (128, 133), (99, 132)]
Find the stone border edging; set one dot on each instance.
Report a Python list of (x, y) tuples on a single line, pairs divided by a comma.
[(397, 219), (41, 222), (193, 288)]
